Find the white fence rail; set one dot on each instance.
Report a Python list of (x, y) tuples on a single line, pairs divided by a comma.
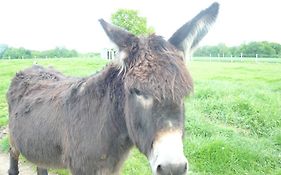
[(237, 59)]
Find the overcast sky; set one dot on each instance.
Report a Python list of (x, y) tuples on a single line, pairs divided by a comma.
[(41, 25)]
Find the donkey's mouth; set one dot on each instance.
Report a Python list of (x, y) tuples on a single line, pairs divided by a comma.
[(167, 155)]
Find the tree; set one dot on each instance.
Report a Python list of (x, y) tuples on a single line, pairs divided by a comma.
[(277, 48), (263, 49), (15, 53), (58, 52), (3, 48), (131, 21), (223, 50)]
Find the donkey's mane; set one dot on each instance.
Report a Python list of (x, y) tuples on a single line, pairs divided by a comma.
[(159, 70)]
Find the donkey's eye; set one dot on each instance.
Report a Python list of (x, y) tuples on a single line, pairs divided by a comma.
[(137, 92)]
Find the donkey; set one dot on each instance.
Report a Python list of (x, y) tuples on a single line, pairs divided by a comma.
[(88, 125)]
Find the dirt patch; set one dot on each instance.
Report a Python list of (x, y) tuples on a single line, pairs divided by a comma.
[(24, 168)]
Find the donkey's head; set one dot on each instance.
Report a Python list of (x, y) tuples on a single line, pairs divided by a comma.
[(156, 81)]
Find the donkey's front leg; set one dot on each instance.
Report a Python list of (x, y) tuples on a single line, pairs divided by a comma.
[(14, 161)]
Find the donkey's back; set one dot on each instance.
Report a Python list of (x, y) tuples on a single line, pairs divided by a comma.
[(29, 80)]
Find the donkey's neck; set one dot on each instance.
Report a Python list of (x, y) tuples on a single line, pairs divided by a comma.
[(97, 103), (102, 96), (107, 88)]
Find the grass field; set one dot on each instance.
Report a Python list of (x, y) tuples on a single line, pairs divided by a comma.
[(233, 119)]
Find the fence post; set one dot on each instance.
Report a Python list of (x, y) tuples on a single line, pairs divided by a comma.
[(256, 58), (210, 56), (241, 56)]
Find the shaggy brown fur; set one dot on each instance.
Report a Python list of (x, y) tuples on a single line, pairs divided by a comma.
[(62, 122), (155, 73)]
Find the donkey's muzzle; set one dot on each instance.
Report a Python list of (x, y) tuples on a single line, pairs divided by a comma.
[(167, 156)]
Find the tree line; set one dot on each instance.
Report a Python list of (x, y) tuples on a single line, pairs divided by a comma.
[(263, 49), (7, 52)]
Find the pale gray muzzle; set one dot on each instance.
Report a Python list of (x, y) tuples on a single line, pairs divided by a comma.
[(167, 157)]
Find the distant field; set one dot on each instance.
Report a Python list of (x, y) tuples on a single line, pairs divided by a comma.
[(233, 119)]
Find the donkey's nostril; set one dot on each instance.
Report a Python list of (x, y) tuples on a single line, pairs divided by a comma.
[(159, 168), (185, 166), (182, 168), (173, 169)]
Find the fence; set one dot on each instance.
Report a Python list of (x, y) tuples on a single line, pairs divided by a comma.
[(111, 55), (237, 59)]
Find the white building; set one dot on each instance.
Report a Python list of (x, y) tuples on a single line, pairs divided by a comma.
[(107, 53)]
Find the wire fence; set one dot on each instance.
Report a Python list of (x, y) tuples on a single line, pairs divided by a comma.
[(237, 59)]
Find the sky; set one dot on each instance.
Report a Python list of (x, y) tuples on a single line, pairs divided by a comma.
[(45, 24)]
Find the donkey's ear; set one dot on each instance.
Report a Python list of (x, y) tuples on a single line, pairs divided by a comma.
[(120, 37), (190, 34)]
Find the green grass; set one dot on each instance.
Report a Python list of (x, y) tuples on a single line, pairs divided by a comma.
[(233, 119), (4, 144)]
